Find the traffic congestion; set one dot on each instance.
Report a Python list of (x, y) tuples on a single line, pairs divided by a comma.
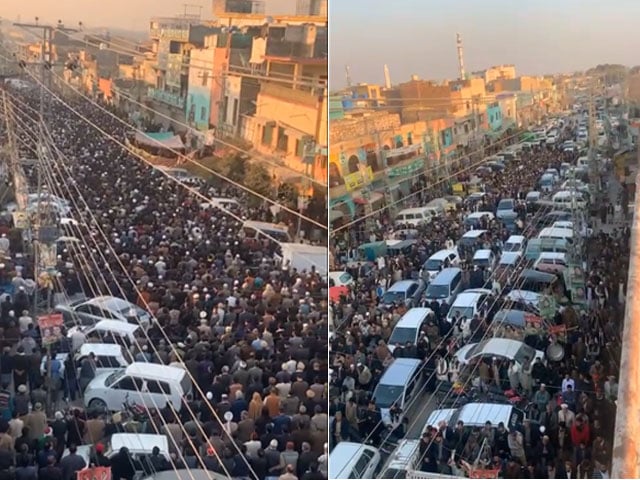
[(477, 332)]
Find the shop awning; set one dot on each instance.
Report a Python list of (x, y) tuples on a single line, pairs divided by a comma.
[(335, 215), (159, 140)]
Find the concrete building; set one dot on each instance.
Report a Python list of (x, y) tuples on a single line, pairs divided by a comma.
[(508, 108), (496, 72), (173, 39), (494, 116), (246, 13), (290, 117)]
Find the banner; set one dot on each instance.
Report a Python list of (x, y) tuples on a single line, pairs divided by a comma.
[(95, 473), (20, 220), (357, 180), (405, 170), (480, 473), (50, 328)]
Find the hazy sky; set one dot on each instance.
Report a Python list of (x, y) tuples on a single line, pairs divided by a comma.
[(127, 14), (418, 36)]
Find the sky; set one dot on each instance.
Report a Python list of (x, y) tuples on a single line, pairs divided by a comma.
[(123, 14), (419, 36)]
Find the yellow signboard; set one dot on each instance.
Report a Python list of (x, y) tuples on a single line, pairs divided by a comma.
[(356, 180), (20, 220)]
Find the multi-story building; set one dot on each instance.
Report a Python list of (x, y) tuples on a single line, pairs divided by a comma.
[(173, 39), (496, 72), (290, 117)]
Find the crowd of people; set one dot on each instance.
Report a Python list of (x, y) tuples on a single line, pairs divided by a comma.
[(251, 333), (569, 404)]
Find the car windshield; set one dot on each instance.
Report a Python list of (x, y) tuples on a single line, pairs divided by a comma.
[(402, 336), (524, 351), (437, 291), (433, 264), (512, 247), (393, 297), (387, 395), (481, 262), (113, 378), (459, 312), (505, 205), (133, 311)]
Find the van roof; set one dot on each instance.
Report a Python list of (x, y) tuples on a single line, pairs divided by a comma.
[(413, 318), (156, 371), (402, 456), (343, 455), (510, 258), (139, 442), (516, 239), (474, 233), (442, 254), (553, 255), (115, 326), (98, 349), (556, 232), (265, 226), (469, 298), (473, 415), (445, 276), (482, 254), (475, 215), (401, 285), (399, 372)]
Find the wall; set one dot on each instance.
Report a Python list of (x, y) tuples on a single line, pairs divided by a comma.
[(353, 127), (499, 71), (494, 116), (199, 89), (508, 108), (232, 88)]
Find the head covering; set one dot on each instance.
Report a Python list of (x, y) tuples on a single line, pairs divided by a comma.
[(99, 448)]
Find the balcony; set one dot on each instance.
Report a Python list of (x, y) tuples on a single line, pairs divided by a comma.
[(168, 98), (281, 48)]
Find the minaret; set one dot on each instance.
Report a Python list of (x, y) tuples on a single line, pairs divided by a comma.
[(387, 77), (348, 74), (460, 56)]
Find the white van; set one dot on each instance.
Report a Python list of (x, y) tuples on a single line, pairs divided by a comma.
[(147, 384), (468, 303), (555, 233), (124, 333), (476, 415), (404, 458), (566, 199), (515, 243), (400, 381), (353, 460), (220, 202), (408, 327), (415, 216), (484, 258)]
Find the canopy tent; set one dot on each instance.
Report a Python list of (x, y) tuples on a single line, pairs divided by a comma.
[(159, 140)]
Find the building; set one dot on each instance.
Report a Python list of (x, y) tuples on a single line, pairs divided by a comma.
[(494, 116), (494, 73), (290, 117), (173, 39)]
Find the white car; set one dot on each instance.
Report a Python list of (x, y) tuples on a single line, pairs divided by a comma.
[(147, 384), (439, 260), (91, 311), (568, 224), (498, 347), (340, 279)]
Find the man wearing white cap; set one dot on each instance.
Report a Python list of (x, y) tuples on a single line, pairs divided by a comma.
[(565, 415)]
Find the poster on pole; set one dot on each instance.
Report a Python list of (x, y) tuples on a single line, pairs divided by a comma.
[(50, 328), (95, 473)]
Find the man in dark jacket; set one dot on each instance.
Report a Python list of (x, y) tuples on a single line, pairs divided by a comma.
[(72, 463), (122, 465), (51, 471)]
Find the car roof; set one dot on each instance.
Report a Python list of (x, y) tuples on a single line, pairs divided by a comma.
[(442, 254), (398, 372), (469, 297), (503, 347), (343, 455), (552, 255), (413, 318), (108, 349), (473, 233), (480, 214), (115, 326), (139, 442), (111, 303), (516, 239), (476, 414), (156, 371), (402, 456), (401, 285), (483, 253), (445, 275), (509, 258)]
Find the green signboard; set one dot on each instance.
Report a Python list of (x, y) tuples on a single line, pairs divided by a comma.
[(405, 170)]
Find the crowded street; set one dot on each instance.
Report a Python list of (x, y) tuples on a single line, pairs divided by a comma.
[(184, 343), (466, 345)]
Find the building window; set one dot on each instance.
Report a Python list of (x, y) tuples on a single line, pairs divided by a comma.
[(353, 164), (236, 107), (466, 128), (205, 78), (203, 114), (282, 144), (299, 148), (267, 134), (225, 107)]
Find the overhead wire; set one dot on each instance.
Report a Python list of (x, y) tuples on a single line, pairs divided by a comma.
[(126, 273), (446, 340), (53, 185)]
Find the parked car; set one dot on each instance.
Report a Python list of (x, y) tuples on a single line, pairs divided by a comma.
[(91, 311)]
